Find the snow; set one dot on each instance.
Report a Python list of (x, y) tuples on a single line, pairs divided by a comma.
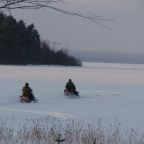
[(108, 92)]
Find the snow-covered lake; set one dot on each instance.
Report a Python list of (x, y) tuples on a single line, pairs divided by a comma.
[(108, 92)]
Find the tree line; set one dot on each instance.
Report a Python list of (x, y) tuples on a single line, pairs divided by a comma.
[(21, 44)]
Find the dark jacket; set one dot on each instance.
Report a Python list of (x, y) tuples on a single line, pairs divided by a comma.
[(70, 86), (27, 91)]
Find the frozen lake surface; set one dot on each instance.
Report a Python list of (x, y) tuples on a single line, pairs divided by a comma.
[(108, 92)]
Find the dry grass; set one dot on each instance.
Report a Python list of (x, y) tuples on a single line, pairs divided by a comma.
[(46, 131)]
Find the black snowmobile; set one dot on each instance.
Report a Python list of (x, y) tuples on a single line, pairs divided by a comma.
[(25, 99), (71, 93)]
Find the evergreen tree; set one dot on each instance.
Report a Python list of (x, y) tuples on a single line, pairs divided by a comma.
[(21, 44)]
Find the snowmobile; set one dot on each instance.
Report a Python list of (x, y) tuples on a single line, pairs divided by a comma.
[(24, 99), (71, 93)]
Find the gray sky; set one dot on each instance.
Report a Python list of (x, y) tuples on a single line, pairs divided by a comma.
[(127, 34)]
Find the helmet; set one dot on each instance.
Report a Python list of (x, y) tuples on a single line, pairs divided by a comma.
[(26, 84), (70, 80)]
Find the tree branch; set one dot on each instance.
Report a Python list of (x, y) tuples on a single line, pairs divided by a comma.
[(38, 4)]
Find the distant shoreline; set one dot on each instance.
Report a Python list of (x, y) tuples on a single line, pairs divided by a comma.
[(109, 57)]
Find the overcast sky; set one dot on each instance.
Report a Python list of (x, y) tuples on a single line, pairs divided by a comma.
[(127, 34)]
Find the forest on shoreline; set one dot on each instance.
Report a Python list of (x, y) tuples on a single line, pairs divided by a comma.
[(21, 45)]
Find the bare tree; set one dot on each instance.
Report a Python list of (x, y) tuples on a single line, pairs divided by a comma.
[(38, 4)]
